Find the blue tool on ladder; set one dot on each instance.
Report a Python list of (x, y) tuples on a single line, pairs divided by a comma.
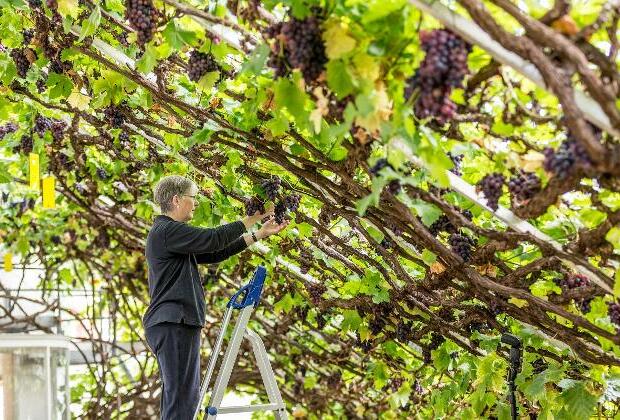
[(250, 295)]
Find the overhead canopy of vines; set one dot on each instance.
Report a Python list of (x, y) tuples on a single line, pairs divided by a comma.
[(442, 188)]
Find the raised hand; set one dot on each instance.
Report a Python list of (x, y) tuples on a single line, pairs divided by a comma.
[(271, 228)]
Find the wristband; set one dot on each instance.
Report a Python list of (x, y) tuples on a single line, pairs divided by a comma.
[(254, 237)]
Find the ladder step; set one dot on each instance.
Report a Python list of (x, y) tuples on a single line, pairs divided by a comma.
[(250, 408)]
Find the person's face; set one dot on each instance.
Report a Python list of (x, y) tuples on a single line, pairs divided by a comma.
[(186, 204)]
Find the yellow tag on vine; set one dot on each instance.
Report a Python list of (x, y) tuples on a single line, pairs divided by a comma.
[(8, 262), (34, 171), (49, 192)]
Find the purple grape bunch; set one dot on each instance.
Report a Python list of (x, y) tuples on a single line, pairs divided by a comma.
[(564, 161), (142, 16), (200, 64), (298, 43), (443, 68), (462, 245), (491, 186), (524, 185), (253, 205), (271, 187)]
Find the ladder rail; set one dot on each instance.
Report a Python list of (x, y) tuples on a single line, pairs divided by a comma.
[(213, 361), (266, 372), (250, 408), (250, 296), (232, 351)]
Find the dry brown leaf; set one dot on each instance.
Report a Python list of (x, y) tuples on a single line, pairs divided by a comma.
[(480, 142), (207, 192), (361, 135), (215, 102), (437, 267), (30, 55), (269, 102), (487, 270), (565, 25)]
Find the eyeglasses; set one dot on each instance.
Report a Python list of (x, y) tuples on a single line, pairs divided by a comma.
[(193, 197)]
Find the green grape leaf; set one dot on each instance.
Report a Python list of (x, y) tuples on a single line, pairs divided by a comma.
[(91, 24), (69, 8), (257, 60), (176, 36), (338, 78), (579, 403), (351, 321)]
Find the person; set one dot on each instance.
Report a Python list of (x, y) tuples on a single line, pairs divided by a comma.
[(176, 313)]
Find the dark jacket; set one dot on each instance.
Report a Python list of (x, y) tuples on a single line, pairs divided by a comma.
[(173, 250)]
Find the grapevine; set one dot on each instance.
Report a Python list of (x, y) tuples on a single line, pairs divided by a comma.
[(380, 284)]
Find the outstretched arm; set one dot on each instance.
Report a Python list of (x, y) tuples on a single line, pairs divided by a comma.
[(239, 244), (182, 238)]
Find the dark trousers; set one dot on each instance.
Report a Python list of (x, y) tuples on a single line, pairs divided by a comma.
[(177, 347)]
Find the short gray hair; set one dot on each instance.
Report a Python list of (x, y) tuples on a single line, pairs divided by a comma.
[(168, 187)]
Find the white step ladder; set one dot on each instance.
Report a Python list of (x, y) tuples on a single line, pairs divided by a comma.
[(250, 297)]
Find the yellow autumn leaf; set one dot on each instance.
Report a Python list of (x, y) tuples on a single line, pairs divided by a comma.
[(315, 119), (337, 39), (364, 334), (322, 108), (519, 303), (322, 102), (382, 109), (299, 413), (367, 67), (532, 160), (69, 7), (78, 100)]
